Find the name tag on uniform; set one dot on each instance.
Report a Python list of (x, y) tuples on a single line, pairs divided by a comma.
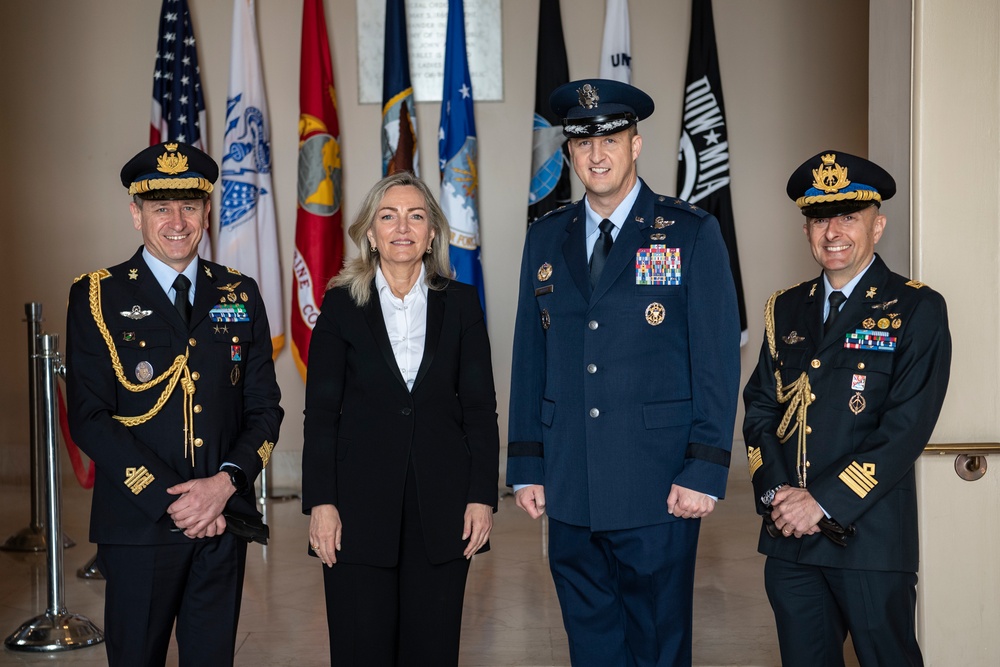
[(235, 312), (658, 265)]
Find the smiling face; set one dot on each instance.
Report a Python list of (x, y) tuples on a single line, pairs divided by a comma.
[(606, 166), (844, 245), (401, 231), (172, 229)]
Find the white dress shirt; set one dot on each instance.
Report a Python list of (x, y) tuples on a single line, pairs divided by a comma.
[(406, 322)]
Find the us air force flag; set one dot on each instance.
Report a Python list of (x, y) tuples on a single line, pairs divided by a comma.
[(616, 48), (248, 235), (703, 173), (457, 155), (550, 187)]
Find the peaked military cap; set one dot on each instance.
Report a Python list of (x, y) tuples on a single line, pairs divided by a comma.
[(597, 107), (170, 170), (833, 183)]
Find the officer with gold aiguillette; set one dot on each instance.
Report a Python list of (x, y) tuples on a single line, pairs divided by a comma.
[(850, 381), (171, 391)]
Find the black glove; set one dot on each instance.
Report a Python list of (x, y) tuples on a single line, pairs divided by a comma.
[(247, 526)]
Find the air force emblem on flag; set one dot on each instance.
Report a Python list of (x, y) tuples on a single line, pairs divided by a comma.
[(249, 154), (546, 158)]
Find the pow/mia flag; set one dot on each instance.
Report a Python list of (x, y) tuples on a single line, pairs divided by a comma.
[(703, 173), (550, 187)]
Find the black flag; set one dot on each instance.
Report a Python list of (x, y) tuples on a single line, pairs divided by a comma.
[(550, 186), (703, 173)]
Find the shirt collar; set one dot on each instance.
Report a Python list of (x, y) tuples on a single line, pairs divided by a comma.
[(165, 275), (419, 287), (849, 287), (617, 216)]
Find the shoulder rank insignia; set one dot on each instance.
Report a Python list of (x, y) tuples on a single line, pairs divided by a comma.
[(859, 477), (793, 338), (136, 313), (915, 284), (233, 271)]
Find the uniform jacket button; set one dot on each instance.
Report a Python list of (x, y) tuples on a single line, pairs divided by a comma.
[(405, 411), (591, 368), (595, 413), (593, 324)]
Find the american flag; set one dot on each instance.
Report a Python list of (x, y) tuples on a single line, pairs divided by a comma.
[(178, 106)]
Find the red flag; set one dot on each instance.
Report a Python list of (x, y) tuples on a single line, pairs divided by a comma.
[(319, 236)]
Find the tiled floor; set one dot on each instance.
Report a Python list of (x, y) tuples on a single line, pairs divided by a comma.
[(511, 612)]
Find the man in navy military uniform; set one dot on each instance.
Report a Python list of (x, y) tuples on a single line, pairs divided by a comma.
[(172, 393), (624, 388), (849, 385)]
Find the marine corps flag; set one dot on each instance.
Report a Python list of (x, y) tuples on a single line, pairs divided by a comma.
[(319, 236), (703, 173), (457, 155), (248, 232), (550, 187), (399, 121)]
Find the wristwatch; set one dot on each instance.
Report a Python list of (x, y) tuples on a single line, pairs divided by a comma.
[(768, 496), (236, 476)]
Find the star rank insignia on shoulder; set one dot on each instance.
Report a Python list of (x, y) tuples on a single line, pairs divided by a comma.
[(916, 284)]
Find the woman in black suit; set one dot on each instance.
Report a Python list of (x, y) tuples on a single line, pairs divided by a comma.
[(400, 460)]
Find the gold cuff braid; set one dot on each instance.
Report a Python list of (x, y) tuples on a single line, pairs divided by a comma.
[(797, 394), (177, 373)]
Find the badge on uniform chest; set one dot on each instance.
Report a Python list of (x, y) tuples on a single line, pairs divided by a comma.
[(229, 313), (658, 265), (864, 339)]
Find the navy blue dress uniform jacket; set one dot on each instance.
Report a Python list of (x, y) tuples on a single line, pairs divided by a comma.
[(234, 409), (607, 410), (363, 427), (872, 414)]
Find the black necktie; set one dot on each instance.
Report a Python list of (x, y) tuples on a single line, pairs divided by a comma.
[(836, 301), (181, 302), (601, 250)]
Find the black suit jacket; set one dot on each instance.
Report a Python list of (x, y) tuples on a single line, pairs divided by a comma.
[(363, 427), (234, 408), (872, 414)]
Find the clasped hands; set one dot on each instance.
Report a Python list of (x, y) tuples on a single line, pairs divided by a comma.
[(198, 510)]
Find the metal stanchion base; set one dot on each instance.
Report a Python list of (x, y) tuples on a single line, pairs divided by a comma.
[(55, 632), (89, 570), (31, 539)]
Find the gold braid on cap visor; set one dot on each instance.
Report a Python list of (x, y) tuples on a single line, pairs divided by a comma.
[(177, 373), (150, 184), (856, 195), (797, 394)]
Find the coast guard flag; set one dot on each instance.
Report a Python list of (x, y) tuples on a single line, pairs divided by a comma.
[(399, 122), (457, 155), (703, 173), (178, 112), (550, 187), (248, 234), (319, 236), (616, 48)]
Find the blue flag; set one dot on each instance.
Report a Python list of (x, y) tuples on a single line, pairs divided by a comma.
[(399, 122), (457, 154)]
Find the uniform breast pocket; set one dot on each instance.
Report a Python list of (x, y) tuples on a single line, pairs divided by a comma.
[(862, 381), (144, 353), (231, 349)]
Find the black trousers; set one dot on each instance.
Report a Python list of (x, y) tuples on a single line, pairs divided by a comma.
[(815, 607), (149, 587), (408, 615)]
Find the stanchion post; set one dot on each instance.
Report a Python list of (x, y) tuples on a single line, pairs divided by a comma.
[(32, 538), (56, 629)]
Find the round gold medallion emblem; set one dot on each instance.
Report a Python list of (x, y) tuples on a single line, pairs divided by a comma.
[(654, 313)]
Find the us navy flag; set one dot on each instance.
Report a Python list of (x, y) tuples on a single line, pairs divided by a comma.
[(703, 173), (550, 187)]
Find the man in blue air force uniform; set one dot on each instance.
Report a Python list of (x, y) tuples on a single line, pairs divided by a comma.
[(172, 393), (624, 388), (851, 378)]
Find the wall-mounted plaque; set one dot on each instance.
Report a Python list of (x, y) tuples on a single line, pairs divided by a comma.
[(426, 23)]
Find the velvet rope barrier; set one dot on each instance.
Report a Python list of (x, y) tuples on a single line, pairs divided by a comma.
[(84, 472)]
